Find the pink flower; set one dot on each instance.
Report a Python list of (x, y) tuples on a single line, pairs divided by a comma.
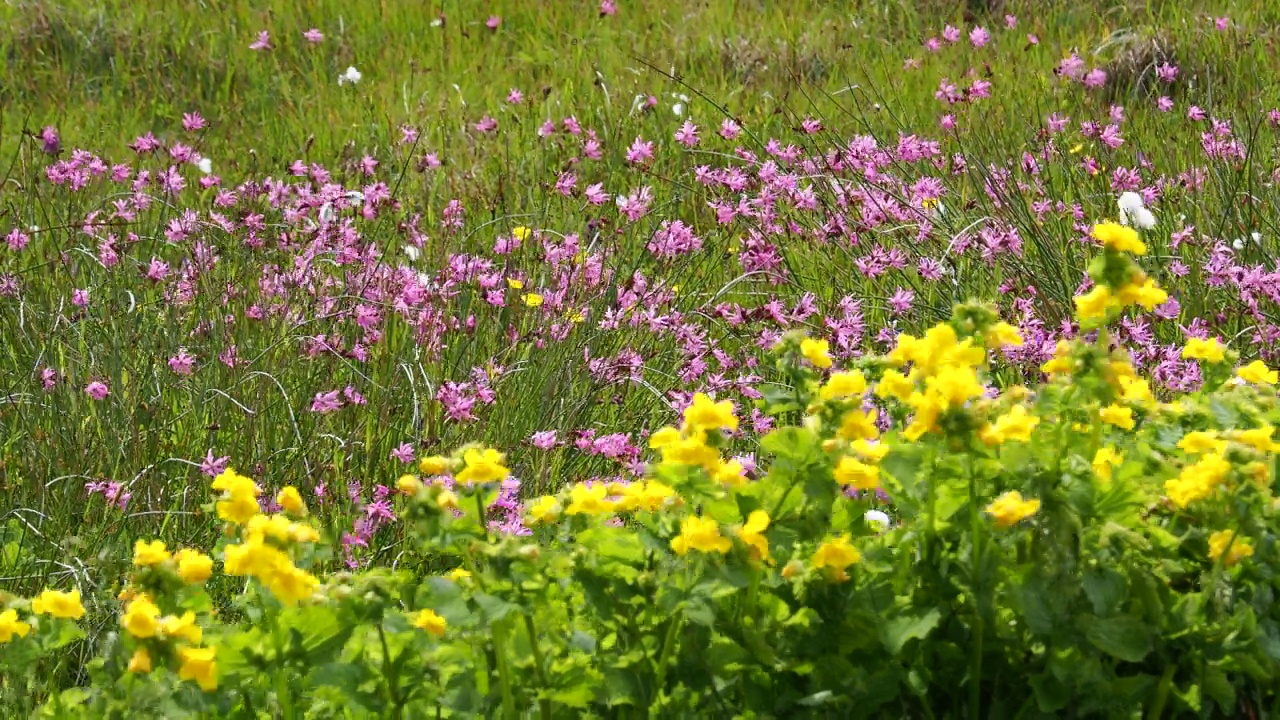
[(182, 363), (1164, 103), (48, 378), (1032, 39), (192, 122), (17, 239), (1166, 72), (565, 183), (1222, 23), (97, 390), (49, 141), (80, 298), (353, 396), (1011, 21), (607, 7), (979, 36), (493, 22), (544, 439), (1195, 113), (515, 97), (933, 44), (313, 35), (951, 34), (687, 135), (326, 402), (486, 125), (810, 126), (212, 466), (1095, 78), (640, 151), (729, 129), (263, 42), (595, 194), (404, 453), (947, 122)]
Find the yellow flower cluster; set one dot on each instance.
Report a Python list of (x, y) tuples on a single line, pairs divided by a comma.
[(263, 554), (1228, 546), (945, 365), (834, 556), (192, 566)]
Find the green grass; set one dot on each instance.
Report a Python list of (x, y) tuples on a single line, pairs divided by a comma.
[(106, 72)]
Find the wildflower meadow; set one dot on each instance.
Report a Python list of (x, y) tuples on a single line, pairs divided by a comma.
[(599, 358)]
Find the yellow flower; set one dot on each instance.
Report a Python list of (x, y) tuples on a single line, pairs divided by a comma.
[(433, 465), (870, 451), (239, 500), (1105, 461), (1061, 362), (731, 474), (140, 662), (1147, 294), (193, 566), (894, 384), (533, 300), (752, 533), (1016, 424), (58, 604), (1135, 390), (291, 585), (589, 500), (545, 510), (649, 495), (856, 474), (1209, 350), (1118, 415), (834, 556), (706, 414), (1220, 540), (1095, 304), (447, 500), (254, 558), (955, 385), (429, 621), (1258, 373), (1198, 480), (1001, 334), (10, 625), (1010, 509), (458, 574), (408, 485), (1119, 238), (515, 284), (149, 554), (816, 352), (199, 664), (1200, 442), (701, 534), (664, 437), (141, 618), (521, 232), (1257, 438), (482, 466), (859, 425), (843, 385), (290, 500), (184, 627)]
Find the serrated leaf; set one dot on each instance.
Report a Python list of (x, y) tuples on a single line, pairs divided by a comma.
[(1126, 638), (896, 633)]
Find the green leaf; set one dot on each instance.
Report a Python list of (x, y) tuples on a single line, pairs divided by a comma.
[(1105, 589), (1051, 694), (1126, 638), (613, 544), (493, 608), (897, 632)]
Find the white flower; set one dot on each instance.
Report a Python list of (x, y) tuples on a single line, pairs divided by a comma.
[(352, 75), (1238, 244), (878, 520), (205, 165), (1256, 237), (678, 109), (413, 252), (355, 197), (1131, 204)]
